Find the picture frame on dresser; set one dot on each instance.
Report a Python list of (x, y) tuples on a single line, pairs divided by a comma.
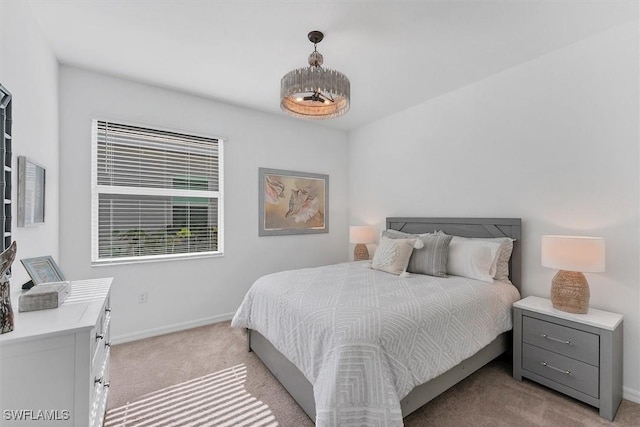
[(42, 270)]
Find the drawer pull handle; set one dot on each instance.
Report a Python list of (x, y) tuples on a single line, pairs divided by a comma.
[(555, 369), (107, 384), (107, 344), (97, 380), (99, 337), (107, 310), (556, 339)]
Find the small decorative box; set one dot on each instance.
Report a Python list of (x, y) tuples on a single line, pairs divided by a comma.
[(44, 296)]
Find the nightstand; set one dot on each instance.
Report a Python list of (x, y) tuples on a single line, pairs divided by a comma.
[(579, 355)]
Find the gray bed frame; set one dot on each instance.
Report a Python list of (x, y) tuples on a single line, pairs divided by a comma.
[(301, 389)]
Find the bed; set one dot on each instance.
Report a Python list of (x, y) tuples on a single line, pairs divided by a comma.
[(362, 384)]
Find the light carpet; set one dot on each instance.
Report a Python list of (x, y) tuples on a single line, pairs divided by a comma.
[(205, 376), (217, 399)]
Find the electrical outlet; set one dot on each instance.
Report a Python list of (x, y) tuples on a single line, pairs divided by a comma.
[(142, 297)]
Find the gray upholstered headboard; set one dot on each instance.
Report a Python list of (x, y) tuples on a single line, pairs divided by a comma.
[(469, 227)]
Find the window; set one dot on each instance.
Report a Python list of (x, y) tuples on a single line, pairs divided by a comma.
[(156, 194)]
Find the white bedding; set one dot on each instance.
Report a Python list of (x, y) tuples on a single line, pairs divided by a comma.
[(366, 338)]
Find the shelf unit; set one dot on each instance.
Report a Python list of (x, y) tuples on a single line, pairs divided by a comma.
[(6, 143)]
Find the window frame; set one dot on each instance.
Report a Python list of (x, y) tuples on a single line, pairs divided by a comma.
[(97, 189)]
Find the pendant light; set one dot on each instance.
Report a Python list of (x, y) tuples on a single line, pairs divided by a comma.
[(315, 92)]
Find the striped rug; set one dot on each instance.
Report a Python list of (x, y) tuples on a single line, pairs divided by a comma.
[(217, 399)]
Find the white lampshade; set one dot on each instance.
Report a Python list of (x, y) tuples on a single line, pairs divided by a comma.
[(573, 253), (361, 234)]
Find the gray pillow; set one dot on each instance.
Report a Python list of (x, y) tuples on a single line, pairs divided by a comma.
[(395, 234), (432, 258)]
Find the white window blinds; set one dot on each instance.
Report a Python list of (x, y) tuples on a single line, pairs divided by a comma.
[(155, 193)]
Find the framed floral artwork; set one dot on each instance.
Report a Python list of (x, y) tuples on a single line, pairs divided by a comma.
[(292, 202)]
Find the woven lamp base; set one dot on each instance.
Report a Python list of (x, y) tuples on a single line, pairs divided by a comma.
[(570, 292), (360, 253)]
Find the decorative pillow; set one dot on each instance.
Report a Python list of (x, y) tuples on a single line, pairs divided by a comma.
[(473, 258), (392, 255), (431, 259), (395, 234), (502, 266)]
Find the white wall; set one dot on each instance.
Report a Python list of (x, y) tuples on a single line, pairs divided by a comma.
[(554, 141), (29, 70), (191, 292)]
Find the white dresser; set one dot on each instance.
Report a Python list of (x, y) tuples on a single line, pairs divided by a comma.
[(54, 365)]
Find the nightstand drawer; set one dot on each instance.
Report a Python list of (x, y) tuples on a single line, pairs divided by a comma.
[(564, 370), (560, 339)]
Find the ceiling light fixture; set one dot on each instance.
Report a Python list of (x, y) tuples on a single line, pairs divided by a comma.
[(315, 92)]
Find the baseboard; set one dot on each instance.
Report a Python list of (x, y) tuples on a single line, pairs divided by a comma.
[(631, 394), (148, 333)]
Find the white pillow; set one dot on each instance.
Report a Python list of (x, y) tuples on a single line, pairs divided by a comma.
[(502, 266), (473, 258), (392, 255)]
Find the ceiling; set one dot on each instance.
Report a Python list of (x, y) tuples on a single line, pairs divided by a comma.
[(396, 53)]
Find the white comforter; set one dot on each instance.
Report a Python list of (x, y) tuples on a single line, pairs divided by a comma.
[(366, 338)]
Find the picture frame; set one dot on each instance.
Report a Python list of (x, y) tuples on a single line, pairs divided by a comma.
[(292, 202), (31, 192), (42, 269)]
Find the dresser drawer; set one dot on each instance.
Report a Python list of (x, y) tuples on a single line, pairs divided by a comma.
[(560, 339), (101, 332), (100, 344), (564, 370), (100, 393)]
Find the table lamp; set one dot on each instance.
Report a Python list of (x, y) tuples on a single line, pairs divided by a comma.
[(361, 235), (572, 255)]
